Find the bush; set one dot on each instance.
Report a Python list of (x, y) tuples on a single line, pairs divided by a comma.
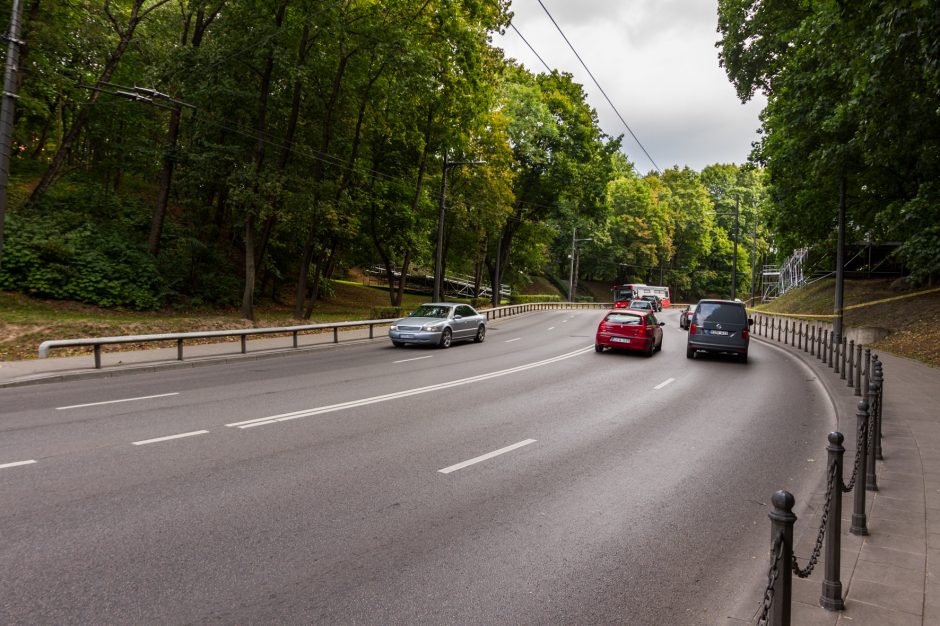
[(528, 299), (386, 312), (65, 256), (584, 299)]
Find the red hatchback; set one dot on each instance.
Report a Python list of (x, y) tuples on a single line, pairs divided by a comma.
[(630, 329)]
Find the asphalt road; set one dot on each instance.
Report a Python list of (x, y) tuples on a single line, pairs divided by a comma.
[(524, 480)]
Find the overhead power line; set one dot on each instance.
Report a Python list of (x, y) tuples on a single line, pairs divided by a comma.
[(584, 65)]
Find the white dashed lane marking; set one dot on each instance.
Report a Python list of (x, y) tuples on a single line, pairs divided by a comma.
[(483, 457)]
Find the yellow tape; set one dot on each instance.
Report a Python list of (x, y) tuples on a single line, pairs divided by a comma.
[(854, 306)]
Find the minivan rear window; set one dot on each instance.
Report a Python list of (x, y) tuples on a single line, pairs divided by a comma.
[(720, 313)]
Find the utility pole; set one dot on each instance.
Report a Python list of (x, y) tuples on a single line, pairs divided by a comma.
[(754, 265), (574, 232), (10, 83)]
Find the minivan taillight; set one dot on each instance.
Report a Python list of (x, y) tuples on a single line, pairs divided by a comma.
[(745, 334), (691, 329)]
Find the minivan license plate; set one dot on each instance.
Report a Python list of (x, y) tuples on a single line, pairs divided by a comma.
[(718, 332)]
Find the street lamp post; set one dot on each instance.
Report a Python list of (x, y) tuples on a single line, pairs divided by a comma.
[(571, 274), (439, 249)]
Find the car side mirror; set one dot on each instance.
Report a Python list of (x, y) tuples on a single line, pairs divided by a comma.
[(750, 321), (662, 323), (457, 317)]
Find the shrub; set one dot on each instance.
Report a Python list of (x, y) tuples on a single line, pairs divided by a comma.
[(527, 299)]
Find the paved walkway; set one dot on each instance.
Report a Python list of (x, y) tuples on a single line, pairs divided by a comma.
[(890, 577)]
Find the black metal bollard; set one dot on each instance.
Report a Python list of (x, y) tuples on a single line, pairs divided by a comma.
[(830, 348), (781, 525), (800, 342), (831, 598), (871, 478), (812, 343), (867, 369), (858, 370), (859, 520), (843, 357), (786, 330), (838, 342), (879, 382), (794, 336), (851, 353)]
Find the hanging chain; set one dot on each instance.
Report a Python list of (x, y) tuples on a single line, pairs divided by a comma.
[(866, 424), (776, 555), (814, 557)]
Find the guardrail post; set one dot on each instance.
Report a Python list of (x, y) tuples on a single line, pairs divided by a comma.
[(294, 334), (371, 331), (179, 349), (244, 344), (97, 356), (336, 334), (831, 597), (879, 382), (859, 520), (781, 525)]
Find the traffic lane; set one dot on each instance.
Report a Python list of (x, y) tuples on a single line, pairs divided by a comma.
[(201, 399), (595, 494)]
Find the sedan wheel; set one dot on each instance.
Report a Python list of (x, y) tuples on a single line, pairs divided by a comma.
[(481, 334), (398, 344), (446, 338)]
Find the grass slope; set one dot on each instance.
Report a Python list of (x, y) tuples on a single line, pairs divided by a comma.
[(913, 321)]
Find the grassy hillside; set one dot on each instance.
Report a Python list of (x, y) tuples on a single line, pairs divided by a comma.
[(913, 321)]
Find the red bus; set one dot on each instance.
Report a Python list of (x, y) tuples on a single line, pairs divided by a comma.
[(634, 291)]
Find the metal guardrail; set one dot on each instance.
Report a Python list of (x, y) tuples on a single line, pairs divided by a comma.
[(97, 342)]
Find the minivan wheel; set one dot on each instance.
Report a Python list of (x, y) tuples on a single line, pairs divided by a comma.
[(689, 353), (446, 338), (742, 357)]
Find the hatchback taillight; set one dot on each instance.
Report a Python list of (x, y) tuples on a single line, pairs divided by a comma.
[(602, 327), (691, 329)]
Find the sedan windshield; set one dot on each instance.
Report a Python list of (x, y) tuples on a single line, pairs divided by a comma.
[(426, 310)]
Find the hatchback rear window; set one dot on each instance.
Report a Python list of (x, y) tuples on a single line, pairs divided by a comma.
[(625, 318), (721, 313)]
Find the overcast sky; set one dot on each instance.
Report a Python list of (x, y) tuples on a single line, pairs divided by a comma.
[(657, 61)]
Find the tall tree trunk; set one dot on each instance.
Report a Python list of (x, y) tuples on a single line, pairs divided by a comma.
[(325, 139), (166, 177), (248, 295)]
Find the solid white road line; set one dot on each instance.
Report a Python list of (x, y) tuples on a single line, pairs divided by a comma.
[(17, 464), (283, 417), (417, 358), (159, 439), (664, 383), (511, 340), (79, 406), (488, 455)]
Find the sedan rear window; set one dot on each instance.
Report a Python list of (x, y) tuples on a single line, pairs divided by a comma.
[(625, 318), (721, 313)]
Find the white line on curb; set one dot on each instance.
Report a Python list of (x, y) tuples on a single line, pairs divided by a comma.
[(483, 457), (511, 340)]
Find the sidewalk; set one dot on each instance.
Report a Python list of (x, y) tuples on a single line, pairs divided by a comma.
[(892, 576)]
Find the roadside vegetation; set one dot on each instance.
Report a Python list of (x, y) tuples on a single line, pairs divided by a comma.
[(913, 321)]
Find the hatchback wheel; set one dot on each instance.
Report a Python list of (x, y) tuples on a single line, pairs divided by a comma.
[(446, 338), (481, 334), (598, 347)]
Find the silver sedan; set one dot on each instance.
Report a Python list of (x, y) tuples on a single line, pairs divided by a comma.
[(439, 324)]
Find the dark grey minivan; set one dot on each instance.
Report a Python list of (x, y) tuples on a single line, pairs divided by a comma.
[(719, 326)]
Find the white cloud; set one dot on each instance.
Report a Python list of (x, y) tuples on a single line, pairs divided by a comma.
[(657, 61)]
